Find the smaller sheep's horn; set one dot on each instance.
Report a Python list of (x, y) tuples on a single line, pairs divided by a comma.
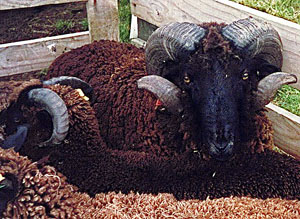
[(57, 109), (74, 83), (268, 86), (167, 92)]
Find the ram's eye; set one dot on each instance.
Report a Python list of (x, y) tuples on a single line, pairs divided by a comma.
[(245, 76), (187, 80)]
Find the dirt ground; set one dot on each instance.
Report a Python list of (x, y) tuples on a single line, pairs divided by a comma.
[(50, 20), (32, 23)]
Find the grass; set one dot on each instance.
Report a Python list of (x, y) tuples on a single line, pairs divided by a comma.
[(287, 9), (288, 98), (63, 25), (84, 24), (125, 19)]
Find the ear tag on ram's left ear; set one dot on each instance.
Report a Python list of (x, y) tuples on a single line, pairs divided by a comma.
[(159, 106), (1, 179), (81, 93)]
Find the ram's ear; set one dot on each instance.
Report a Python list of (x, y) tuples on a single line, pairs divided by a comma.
[(16, 140), (264, 69)]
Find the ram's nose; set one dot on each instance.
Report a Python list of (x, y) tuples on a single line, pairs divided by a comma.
[(221, 152), (221, 143)]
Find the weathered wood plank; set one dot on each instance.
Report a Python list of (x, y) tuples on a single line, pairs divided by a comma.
[(32, 55), (103, 19), (159, 12), (286, 129), (14, 4)]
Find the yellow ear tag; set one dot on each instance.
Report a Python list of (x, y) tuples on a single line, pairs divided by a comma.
[(1, 178), (80, 92)]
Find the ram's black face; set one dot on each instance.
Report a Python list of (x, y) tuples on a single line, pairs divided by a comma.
[(224, 69), (218, 94)]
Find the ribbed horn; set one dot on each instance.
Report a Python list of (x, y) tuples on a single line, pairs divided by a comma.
[(57, 109), (74, 83), (255, 38), (172, 42), (167, 92), (268, 86)]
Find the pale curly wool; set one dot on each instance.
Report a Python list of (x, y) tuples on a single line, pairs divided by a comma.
[(112, 205), (44, 193)]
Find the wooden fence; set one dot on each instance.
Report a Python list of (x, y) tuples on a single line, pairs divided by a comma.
[(32, 55), (149, 14)]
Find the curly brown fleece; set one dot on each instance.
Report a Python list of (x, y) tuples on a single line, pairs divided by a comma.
[(44, 193)]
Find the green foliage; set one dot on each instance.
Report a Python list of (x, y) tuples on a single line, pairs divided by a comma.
[(288, 98), (287, 9), (42, 74), (63, 26), (85, 24), (125, 20)]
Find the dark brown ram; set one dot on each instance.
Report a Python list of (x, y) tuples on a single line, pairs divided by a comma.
[(225, 79)]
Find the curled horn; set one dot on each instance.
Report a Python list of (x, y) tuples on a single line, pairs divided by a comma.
[(172, 42), (268, 86), (257, 39), (57, 109), (167, 92), (74, 83)]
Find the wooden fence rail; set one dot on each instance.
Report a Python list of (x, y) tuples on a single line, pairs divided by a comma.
[(32, 55)]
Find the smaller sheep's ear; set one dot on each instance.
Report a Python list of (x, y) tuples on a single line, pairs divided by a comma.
[(57, 109), (16, 140), (268, 86), (167, 92), (74, 83)]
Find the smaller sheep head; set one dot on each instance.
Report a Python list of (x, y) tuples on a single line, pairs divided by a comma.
[(36, 93), (8, 190), (228, 71)]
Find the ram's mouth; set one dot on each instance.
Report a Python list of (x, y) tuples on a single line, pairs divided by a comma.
[(221, 154)]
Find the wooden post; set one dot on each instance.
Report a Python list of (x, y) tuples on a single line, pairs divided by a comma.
[(103, 19)]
